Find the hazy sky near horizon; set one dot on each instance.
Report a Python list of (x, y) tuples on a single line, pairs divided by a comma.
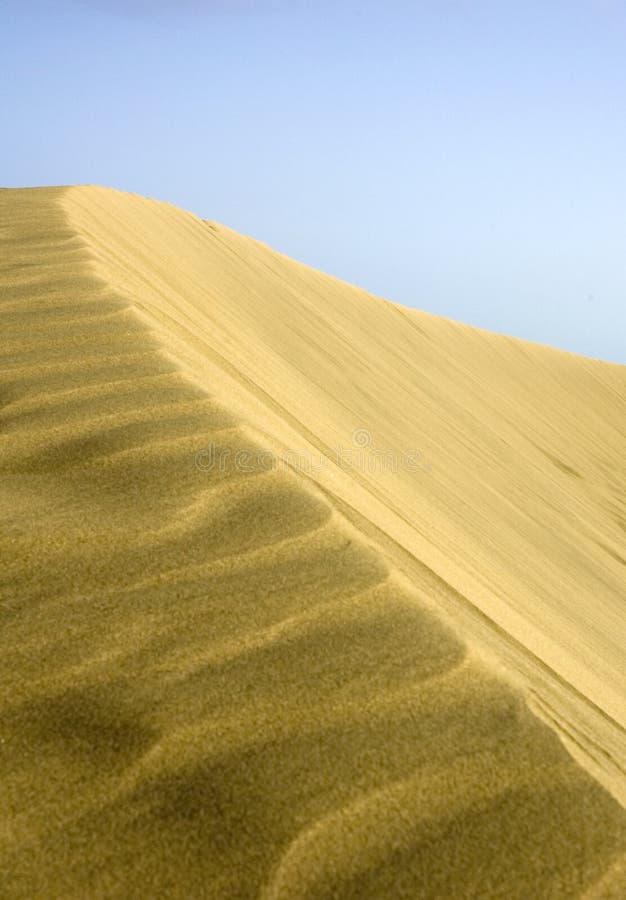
[(466, 158)]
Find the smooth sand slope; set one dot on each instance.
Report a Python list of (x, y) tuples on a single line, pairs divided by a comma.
[(226, 676)]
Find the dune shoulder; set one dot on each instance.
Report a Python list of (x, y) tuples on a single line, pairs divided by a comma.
[(246, 649)]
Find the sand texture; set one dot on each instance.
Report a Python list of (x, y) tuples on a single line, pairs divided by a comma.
[(303, 595)]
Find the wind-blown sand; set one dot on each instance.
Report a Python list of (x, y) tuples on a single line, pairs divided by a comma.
[(225, 676)]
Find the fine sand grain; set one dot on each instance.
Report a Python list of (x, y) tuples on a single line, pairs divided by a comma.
[(303, 595)]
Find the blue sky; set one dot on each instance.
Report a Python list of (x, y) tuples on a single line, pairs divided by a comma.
[(466, 158)]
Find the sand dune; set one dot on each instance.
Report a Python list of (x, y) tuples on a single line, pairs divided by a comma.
[(287, 571)]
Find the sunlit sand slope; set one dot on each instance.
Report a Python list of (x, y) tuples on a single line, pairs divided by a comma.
[(507, 474), (222, 676)]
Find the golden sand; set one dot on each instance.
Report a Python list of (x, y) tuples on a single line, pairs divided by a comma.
[(287, 571)]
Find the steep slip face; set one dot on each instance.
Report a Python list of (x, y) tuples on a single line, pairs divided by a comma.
[(498, 464), (212, 684)]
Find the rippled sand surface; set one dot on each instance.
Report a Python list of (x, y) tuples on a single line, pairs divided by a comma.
[(303, 595)]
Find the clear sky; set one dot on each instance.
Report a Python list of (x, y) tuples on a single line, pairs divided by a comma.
[(466, 158)]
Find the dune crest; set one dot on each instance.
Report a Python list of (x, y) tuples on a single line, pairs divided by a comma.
[(283, 566)]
